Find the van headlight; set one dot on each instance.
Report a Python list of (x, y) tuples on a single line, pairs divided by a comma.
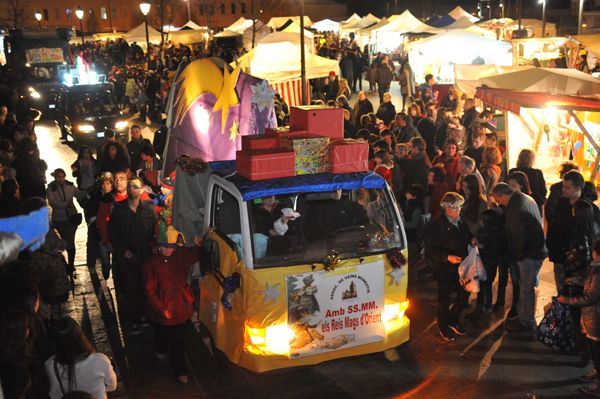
[(86, 128), (34, 94), (270, 340), (120, 125)]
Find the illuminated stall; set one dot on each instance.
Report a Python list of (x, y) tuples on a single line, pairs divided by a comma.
[(393, 36), (547, 51), (438, 54), (556, 127)]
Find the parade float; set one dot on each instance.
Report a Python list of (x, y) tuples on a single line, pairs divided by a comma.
[(304, 249)]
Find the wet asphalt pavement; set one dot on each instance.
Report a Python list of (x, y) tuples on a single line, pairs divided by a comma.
[(487, 363)]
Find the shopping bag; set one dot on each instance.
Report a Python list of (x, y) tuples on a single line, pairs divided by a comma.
[(471, 271), (556, 328)]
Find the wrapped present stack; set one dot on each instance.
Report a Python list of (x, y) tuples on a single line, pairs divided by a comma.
[(313, 143)]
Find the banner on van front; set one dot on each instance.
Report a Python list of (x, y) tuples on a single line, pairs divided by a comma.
[(334, 310)]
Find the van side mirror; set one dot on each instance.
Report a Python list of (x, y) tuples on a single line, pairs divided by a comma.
[(210, 260)]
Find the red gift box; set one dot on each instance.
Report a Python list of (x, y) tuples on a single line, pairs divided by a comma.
[(318, 119), (348, 156), (259, 142), (265, 164)]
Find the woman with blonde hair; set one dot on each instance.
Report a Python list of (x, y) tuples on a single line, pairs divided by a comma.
[(344, 89), (537, 183)]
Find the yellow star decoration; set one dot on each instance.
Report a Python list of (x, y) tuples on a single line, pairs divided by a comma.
[(234, 131), (228, 97)]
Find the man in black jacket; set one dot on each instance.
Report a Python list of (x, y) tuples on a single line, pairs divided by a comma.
[(426, 127), (526, 246), (131, 232), (446, 246)]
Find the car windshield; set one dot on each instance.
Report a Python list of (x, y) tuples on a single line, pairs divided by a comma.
[(40, 74), (91, 103), (306, 227)]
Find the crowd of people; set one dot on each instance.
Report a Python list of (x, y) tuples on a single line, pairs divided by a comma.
[(441, 157)]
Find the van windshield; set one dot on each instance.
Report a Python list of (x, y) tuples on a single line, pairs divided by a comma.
[(306, 227)]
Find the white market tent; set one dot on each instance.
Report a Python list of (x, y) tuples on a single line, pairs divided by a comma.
[(438, 54), (554, 81), (276, 58), (364, 22), (407, 23), (326, 25), (138, 34), (262, 30), (240, 25), (192, 25), (278, 22), (352, 19), (458, 12), (228, 33), (388, 37), (469, 26), (189, 36), (309, 37), (466, 76)]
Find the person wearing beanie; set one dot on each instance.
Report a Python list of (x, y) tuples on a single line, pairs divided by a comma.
[(446, 246)]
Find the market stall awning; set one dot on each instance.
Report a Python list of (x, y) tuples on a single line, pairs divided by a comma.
[(467, 76), (590, 42), (556, 81), (408, 23), (326, 25), (278, 22), (513, 100), (138, 35), (458, 12)]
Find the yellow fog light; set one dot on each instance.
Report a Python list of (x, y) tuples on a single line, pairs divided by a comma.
[(394, 311), (271, 340)]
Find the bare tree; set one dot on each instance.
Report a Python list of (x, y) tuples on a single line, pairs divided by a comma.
[(15, 12)]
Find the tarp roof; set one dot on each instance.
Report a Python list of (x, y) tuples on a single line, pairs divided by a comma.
[(353, 18), (547, 80), (295, 28), (364, 22), (188, 36), (228, 33), (276, 58), (277, 22), (384, 21), (240, 25), (440, 21), (590, 42), (325, 25), (408, 23), (138, 34), (466, 76), (468, 26), (458, 12), (513, 100), (321, 182), (192, 25)]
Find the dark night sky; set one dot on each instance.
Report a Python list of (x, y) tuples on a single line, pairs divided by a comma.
[(423, 8)]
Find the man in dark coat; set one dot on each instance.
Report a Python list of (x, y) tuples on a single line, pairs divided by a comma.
[(134, 147), (362, 107), (131, 232), (446, 246), (526, 246), (426, 127), (30, 170), (418, 165)]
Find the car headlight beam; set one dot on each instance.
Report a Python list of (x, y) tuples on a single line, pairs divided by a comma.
[(86, 128), (120, 125)]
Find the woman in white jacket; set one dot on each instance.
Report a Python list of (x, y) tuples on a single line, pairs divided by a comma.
[(65, 217), (77, 366)]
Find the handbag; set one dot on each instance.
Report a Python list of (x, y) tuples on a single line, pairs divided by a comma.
[(556, 328)]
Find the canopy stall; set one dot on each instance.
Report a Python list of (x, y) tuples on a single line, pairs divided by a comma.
[(138, 35), (276, 58), (467, 76), (556, 127), (458, 12), (193, 26), (189, 36), (592, 44), (352, 19), (393, 35), (505, 27), (240, 25), (326, 25), (468, 26), (355, 28), (547, 51), (438, 54), (277, 22)]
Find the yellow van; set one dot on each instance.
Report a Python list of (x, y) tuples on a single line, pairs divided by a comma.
[(305, 269)]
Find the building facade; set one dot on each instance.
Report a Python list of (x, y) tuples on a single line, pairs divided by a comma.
[(122, 15)]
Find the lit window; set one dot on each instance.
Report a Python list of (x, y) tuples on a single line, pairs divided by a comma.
[(103, 14), (69, 13)]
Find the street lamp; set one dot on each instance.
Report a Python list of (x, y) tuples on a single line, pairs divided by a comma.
[(501, 5), (302, 55), (79, 14), (38, 16), (145, 9), (580, 18), (543, 17), (189, 14)]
